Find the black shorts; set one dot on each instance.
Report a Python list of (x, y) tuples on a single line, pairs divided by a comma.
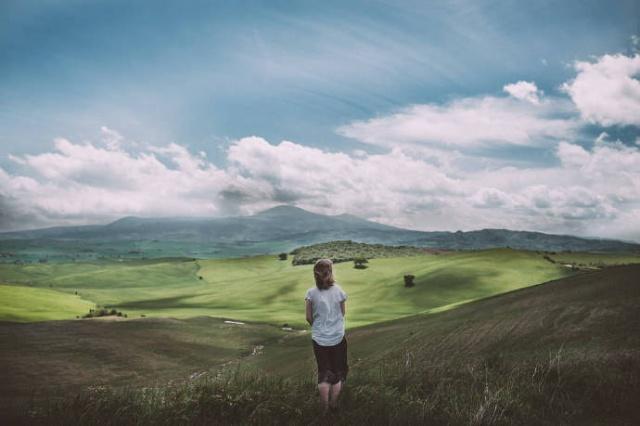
[(332, 362)]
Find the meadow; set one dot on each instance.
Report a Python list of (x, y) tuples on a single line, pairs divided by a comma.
[(563, 352), (266, 289), (477, 324)]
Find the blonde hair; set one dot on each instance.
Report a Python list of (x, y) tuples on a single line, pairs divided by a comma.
[(323, 273)]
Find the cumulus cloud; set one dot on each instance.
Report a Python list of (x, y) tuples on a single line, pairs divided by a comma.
[(522, 119), (379, 186), (489, 198), (87, 183), (428, 176), (590, 191), (524, 90), (607, 91), (83, 182)]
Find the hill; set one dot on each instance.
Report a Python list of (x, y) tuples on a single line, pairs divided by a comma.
[(280, 228), (563, 352), (263, 288)]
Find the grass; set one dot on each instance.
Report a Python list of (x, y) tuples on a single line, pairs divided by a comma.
[(265, 289), (66, 251), (476, 341), (563, 352), (51, 358), (21, 303)]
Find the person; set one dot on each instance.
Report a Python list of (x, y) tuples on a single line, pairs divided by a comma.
[(325, 311)]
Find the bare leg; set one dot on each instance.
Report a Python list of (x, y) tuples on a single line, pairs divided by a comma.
[(324, 388), (335, 393)]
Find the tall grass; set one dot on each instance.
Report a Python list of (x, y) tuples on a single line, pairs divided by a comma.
[(492, 390)]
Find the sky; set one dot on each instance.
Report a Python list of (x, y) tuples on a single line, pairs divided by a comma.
[(429, 115)]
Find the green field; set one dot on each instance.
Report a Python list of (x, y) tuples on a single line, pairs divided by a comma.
[(563, 352), (265, 289), (20, 303), (475, 320)]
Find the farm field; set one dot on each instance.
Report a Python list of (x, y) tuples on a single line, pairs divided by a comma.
[(265, 289)]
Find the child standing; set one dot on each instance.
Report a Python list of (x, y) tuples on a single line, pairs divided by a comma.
[(325, 309)]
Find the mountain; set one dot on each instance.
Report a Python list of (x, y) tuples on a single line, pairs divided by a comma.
[(293, 226)]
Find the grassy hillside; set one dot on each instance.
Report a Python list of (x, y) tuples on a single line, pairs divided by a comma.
[(263, 288), (563, 352), (586, 316), (56, 357), (21, 303)]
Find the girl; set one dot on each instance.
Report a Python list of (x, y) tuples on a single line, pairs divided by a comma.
[(325, 305)]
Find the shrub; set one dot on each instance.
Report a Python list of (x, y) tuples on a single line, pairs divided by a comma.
[(282, 256), (360, 263), (408, 280), (102, 312)]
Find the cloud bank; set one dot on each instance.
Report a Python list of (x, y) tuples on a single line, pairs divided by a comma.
[(428, 176)]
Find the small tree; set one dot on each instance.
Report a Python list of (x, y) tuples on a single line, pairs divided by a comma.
[(408, 280), (282, 256), (360, 263)]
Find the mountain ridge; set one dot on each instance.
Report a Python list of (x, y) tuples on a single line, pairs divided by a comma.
[(296, 226)]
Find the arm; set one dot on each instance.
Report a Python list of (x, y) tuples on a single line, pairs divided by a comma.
[(309, 309), (343, 307)]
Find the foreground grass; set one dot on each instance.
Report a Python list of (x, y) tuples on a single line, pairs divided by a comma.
[(60, 357), (552, 391)]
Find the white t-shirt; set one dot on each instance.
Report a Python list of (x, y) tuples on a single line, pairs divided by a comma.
[(328, 322)]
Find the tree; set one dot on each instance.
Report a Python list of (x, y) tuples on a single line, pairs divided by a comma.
[(360, 263), (282, 256), (408, 280)]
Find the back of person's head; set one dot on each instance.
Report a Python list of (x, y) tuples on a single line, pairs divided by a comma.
[(323, 273)]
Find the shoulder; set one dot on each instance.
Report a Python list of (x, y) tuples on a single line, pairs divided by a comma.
[(310, 292), (340, 291), (337, 287)]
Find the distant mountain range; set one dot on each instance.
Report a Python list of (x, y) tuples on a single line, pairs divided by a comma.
[(294, 226)]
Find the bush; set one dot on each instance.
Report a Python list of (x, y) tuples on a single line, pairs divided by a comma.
[(282, 256), (408, 280), (102, 312), (360, 263)]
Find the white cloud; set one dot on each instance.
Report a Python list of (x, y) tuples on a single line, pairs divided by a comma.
[(489, 198), (377, 186), (589, 192), (111, 137), (607, 91), (524, 90), (471, 122), (427, 179)]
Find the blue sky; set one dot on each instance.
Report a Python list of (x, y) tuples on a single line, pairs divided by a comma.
[(204, 74)]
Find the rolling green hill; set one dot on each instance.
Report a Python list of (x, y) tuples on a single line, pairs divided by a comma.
[(588, 316), (263, 288), (563, 352), (20, 303)]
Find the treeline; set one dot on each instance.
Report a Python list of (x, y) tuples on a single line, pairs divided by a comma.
[(347, 250)]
